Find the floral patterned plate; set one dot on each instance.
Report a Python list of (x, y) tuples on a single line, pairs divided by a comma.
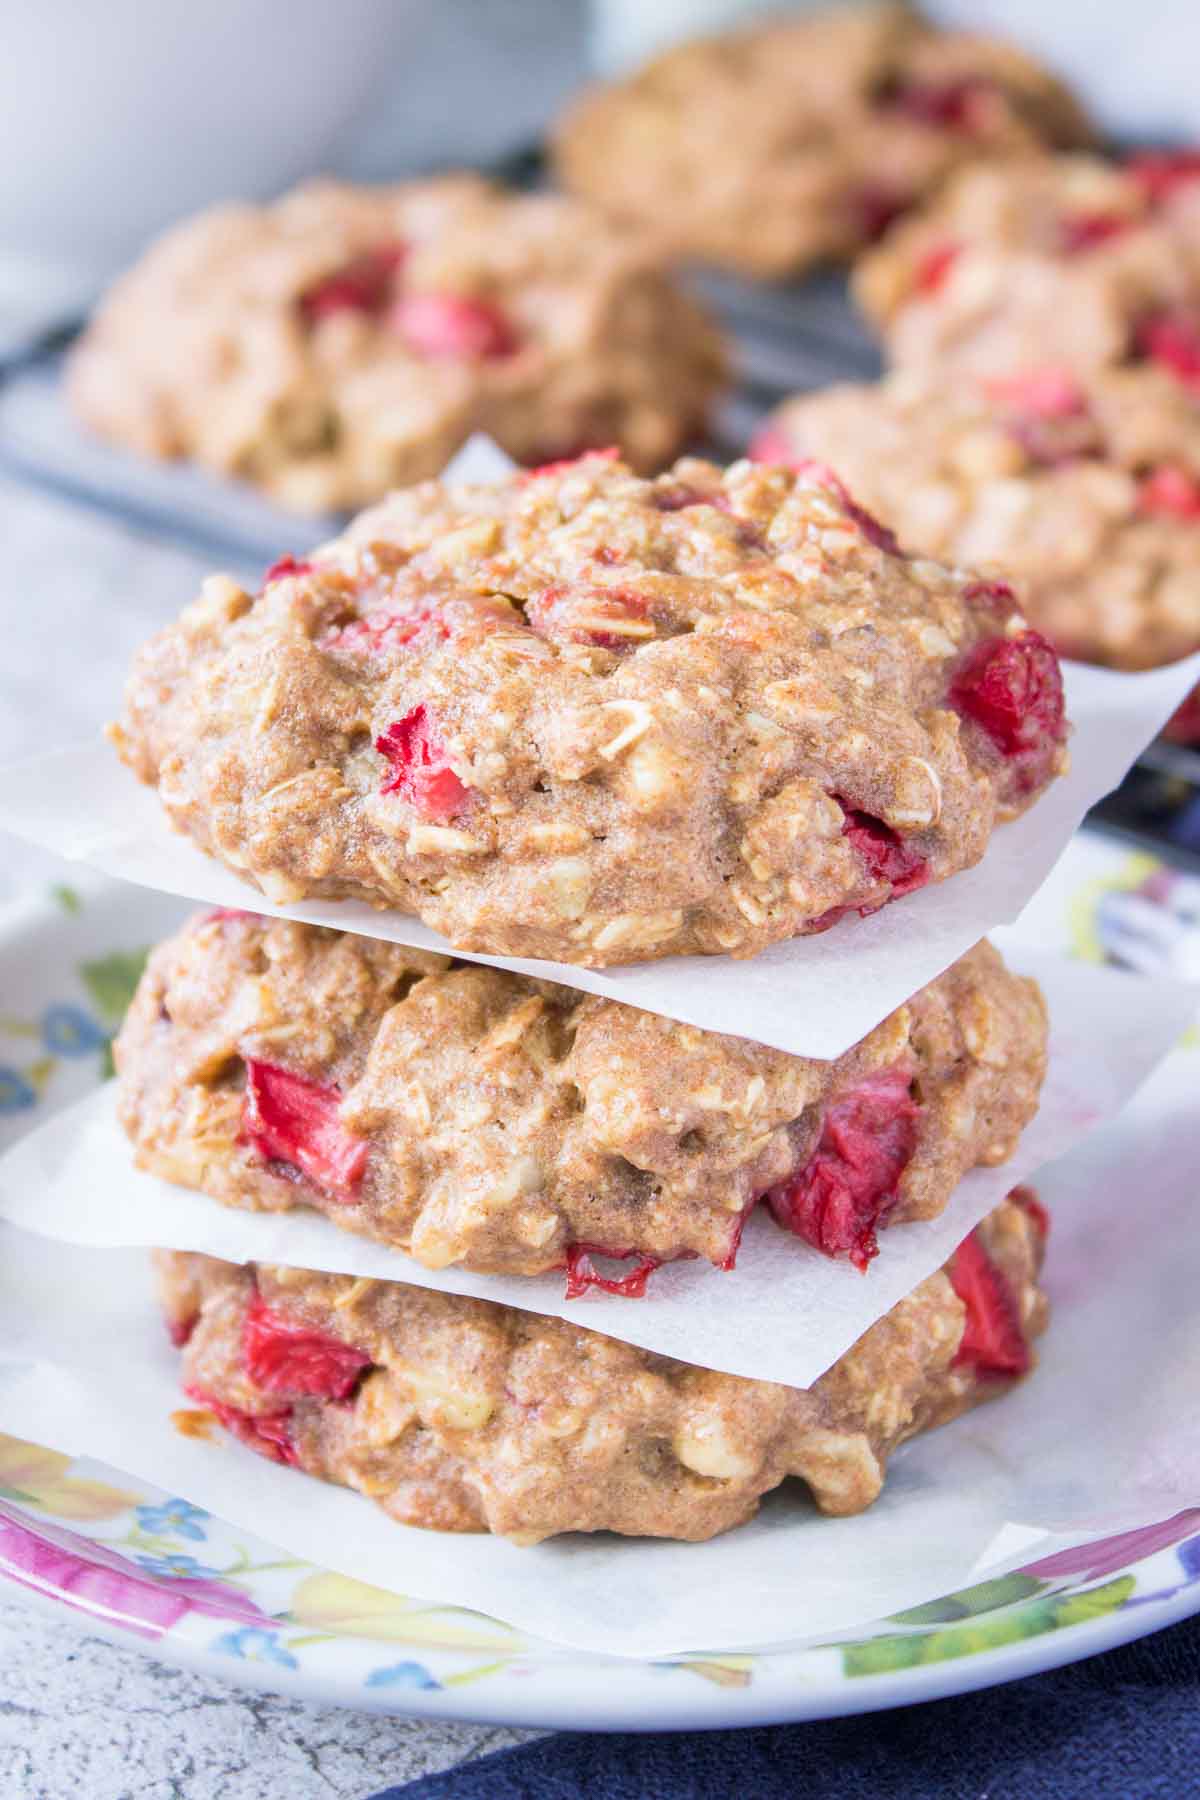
[(143, 1567)]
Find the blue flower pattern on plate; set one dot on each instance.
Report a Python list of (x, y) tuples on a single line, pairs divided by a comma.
[(177, 1567), (403, 1674), (177, 1517), (253, 1644), (69, 1031), (15, 1092)]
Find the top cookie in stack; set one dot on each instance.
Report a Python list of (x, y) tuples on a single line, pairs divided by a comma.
[(584, 715)]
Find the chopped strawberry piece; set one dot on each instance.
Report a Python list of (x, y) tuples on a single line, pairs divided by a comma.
[(293, 1121), (291, 1359), (933, 269), (363, 285), (268, 1433), (1183, 727), (1012, 689), (590, 615), (992, 1340), (1160, 172), (611, 453), (996, 592), (388, 628), (581, 1275), (877, 207), (1047, 393), (1084, 231), (1027, 1200), (180, 1330), (887, 856), (872, 528), (1171, 491), (729, 1260), (848, 1186), (1172, 339), (221, 913), (420, 773), (287, 565), (771, 445), (953, 105), (452, 325)]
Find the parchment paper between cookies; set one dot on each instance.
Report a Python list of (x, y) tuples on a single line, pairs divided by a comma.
[(784, 1314), (1104, 1437), (814, 996)]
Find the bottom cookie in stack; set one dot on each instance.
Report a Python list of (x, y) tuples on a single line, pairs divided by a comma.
[(458, 1414)]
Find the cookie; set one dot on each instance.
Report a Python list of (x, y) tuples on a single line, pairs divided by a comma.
[(800, 140), (586, 716), (344, 341), (472, 1116), (461, 1415), (1065, 262), (1083, 490)]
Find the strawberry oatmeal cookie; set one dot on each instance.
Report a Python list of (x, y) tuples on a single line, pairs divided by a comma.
[(1067, 261), (471, 1116), (800, 140), (1084, 490), (582, 715), (461, 1415), (346, 340)]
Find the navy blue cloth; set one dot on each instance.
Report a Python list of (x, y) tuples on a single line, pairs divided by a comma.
[(1122, 1726)]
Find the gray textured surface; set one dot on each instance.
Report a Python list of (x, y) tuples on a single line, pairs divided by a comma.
[(80, 1720)]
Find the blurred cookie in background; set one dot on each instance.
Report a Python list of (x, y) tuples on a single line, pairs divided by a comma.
[(799, 140), (347, 340), (1084, 491), (1068, 260)]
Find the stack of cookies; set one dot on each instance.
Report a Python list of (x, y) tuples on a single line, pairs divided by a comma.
[(585, 714)]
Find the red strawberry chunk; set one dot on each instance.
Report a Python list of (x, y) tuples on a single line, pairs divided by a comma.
[(1172, 339), (1183, 727), (420, 773), (611, 453), (581, 1275), (268, 1433), (1012, 689), (385, 628), (992, 1340), (1048, 393), (180, 1330), (848, 1186), (1170, 491), (294, 1121), (1160, 172), (887, 856), (872, 528), (452, 325), (933, 269), (290, 1359), (287, 565), (591, 615), (993, 593), (1084, 231), (954, 105), (877, 206), (771, 445), (1027, 1200), (363, 285)]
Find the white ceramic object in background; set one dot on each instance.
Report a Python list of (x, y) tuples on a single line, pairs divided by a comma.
[(118, 119)]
